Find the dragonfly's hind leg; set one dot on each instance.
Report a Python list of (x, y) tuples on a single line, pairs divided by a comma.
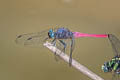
[(64, 44), (71, 50)]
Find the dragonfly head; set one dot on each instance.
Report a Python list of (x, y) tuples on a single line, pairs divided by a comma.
[(51, 34), (106, 67)]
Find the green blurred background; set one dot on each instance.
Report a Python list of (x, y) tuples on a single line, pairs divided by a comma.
[(37, 63)]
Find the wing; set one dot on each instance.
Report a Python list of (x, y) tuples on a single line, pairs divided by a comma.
[(115, 42), (32, 38)]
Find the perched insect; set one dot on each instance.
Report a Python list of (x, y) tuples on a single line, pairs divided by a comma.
[(57, 34), (114, 64)]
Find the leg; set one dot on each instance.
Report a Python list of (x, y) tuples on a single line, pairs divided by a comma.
[(53, 42), (64, 44), (118, 76), (71, 50), (46, 39), (113, 75)]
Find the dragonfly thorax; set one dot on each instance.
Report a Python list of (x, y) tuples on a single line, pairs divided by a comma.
[(63, 33)]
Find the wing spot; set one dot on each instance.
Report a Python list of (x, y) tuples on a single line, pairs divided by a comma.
[(29, 38), (19, 36)]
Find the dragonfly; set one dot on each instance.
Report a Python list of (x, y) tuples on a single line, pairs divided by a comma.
[(62, 36), (114, 64)]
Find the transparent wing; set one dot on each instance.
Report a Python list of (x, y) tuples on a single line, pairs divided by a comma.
[(115, 42), (33, 38)]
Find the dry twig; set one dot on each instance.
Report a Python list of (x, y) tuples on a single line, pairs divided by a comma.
[(75, 64)]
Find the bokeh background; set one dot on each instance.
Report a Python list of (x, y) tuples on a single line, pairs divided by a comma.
[(38, 63)]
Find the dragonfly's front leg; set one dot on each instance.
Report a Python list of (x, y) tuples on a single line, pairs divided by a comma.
[(64, 44), (54, 44), (71, 50), (46, 39)]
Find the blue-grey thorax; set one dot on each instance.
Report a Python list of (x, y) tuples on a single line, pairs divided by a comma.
[(63, 33)]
